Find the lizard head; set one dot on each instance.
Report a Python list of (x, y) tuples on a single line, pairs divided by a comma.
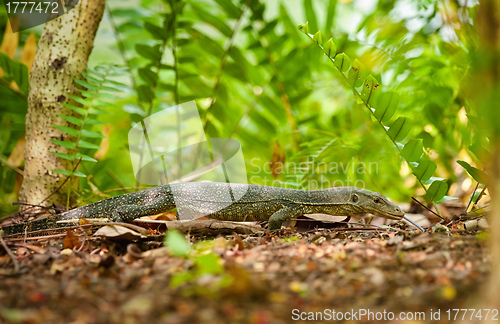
[(376, 204)]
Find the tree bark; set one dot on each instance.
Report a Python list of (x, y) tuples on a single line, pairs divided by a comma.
[(62, 55), (486, 96)]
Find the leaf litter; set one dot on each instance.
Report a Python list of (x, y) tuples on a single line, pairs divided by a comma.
[(252, 278)]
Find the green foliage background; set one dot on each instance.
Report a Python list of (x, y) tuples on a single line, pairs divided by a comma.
[(258, 79)]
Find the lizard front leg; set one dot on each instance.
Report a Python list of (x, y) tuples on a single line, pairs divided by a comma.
[(282, 215), (127, 213)]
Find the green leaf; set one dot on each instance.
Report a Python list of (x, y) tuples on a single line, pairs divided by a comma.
[(79, 174), (78, 110), (181, 278), (479, 150), (115, 83), (186, 75), (92, 79), (167, 67), (399, 129), (157, 32), (432, 179), (371, 90), (268, 27), (67, 130), (413, 150), (208, 264), (216, 22), (5, 132), (437, 190), (66, 144), (87, 145), (289, 25), (263, 122), (185, 59), (87, 133), (65, 156), (478, 175), (86, 85), (84, 102), (109, 88), (92, 121), (63, 172), (230, 8), (342, 62), (329, 48), (104, 95), (386, 106), (99, 71), (311, 14), (425, 170), (98, 102), (85, 157), (434, 113), (150, 52), (71, 119), (95, 111), (130, 13), (149, 76), (330, 14), (427, 139), (12, 102), (14, 71), (355, 76), (145, 94), (88, 95), (445, 198), (318, 38), (69, 173), (176, 243), (80, 100), (208, 44), (304, 28), (184, 41)]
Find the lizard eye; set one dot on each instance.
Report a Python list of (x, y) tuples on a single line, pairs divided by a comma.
[(376, 200), (355, 198)]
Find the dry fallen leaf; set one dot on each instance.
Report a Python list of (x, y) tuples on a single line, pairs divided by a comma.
[(119, 232), (29, 51), (16, 158), (71, 240), (276, 164), (10, 40)]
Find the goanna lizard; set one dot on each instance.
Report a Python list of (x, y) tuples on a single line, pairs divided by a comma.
[(225, 201)]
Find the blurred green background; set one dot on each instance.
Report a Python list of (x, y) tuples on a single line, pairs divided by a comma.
[(258, 79)]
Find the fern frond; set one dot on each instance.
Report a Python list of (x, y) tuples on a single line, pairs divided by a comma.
[(382, 106), (96, 89)]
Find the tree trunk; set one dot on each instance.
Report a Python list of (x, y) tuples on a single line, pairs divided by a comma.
[(486, 96), (62, 55)]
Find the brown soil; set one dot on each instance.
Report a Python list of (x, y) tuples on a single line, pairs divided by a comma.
[(257, 278)]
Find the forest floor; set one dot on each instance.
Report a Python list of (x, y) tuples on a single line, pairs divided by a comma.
[(362, 275)]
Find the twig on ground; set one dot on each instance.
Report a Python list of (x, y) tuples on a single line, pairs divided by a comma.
[(418, 202), (11, 255)]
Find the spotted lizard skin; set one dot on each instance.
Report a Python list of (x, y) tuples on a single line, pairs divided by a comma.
[(225, 201)]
